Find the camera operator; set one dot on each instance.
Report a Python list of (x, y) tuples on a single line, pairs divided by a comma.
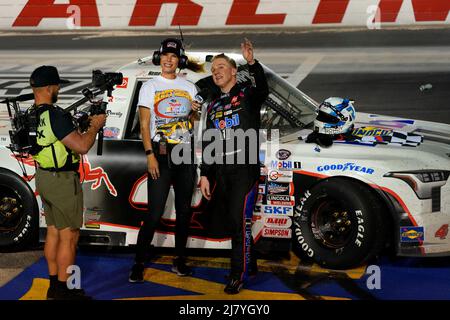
[(57, 178), (163, 100)]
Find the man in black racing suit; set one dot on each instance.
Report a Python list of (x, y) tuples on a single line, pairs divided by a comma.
[(236, 171)]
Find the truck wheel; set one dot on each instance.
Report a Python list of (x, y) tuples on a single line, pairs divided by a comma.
[(339, 224), (19, 220)]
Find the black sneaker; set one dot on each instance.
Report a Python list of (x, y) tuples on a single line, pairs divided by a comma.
[(51, 292), (180, 267), (71, 294), (137, 273), (233, 286)]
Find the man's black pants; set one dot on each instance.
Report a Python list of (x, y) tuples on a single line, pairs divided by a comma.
[(183, 178), (237, 187)]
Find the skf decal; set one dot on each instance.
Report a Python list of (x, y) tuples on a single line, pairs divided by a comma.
[(277, 233), (96, 175), (278, 210), (411, 234), (442, 232)]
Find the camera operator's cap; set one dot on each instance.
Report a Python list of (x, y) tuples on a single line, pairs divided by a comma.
[(172, 45), (45, 76)]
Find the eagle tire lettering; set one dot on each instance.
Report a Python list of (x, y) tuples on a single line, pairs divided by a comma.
[(337, 223)]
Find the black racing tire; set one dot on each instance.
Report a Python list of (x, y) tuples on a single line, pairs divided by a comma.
[(19, 215), (339, 224)]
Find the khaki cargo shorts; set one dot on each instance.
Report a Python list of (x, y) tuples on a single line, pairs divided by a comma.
[(62, 197)]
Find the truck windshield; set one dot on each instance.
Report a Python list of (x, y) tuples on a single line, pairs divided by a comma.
[(286, 108)]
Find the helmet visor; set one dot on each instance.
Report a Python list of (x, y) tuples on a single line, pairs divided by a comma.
[(327, 118)]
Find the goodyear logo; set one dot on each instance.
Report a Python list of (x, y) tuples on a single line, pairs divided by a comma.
[(412, 234)]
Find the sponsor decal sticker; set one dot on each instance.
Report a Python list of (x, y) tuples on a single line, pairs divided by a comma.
[(124, 84), (115, 114), (442, 232), (285, 165), (349, 166), (278, 210), (262, 189), (283, 154), (277, 222), (111, 132), (280, 176), (277, 233), (280, 200), (412, 234), (277, 188), (260, 198), (371, 131), (96, 175), (281, 203)]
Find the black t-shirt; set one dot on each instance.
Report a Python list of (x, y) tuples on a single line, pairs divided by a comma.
[(61, 122)]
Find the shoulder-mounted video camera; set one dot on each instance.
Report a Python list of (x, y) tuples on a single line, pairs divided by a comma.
[(24, 123)]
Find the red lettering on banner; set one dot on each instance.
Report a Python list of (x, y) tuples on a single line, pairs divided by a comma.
[(431, 10), (146, 12), (389, 10), (244, 12), (330, 11), (36, 10), (424, 10)]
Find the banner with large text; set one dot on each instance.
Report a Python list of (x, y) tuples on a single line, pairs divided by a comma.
[(217, 14)]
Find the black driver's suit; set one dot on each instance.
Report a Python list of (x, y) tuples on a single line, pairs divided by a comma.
[(236, 182)]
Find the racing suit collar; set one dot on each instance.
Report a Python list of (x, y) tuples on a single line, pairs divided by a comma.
[(234, 91)]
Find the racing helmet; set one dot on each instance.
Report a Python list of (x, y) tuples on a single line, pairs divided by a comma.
[(335, 116)]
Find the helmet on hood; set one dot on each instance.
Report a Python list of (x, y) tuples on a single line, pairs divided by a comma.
[(335, 116)]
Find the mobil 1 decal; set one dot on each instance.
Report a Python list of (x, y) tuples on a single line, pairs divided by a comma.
[(284, 165)]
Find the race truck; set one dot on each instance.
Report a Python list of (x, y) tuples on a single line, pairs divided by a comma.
[(339, 205)]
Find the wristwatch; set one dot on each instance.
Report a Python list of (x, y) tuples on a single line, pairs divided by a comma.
[(149, 152)]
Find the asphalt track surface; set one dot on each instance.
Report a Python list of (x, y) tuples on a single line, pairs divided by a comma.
[(381, 69)]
